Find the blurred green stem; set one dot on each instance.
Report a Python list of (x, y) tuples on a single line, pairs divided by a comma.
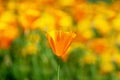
[(58, 72)]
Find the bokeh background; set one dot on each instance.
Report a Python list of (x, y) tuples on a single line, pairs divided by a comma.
[(26, 55)]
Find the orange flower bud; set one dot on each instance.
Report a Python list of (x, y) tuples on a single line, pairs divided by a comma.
[(60, 41)]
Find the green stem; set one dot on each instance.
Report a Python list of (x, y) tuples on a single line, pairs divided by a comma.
[(58, 78)]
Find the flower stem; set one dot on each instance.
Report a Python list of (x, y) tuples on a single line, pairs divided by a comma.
[(58, 76)]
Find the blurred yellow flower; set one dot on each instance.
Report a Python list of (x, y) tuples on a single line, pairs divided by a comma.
[(63, 20), (47, 2), (110, 14), (60, 41), (118, 39), (85, 29), (89, 58), (106, 68), (25, 5), (116, 57), (8, 29), (29, 49), (106, 57), (66, 22), (27, 18), (34, 38), (66, 2), (116, 22), (7, 34), (11, 5), (101, 23), (46, 22), (8, 18), (104, 9), (83, 37), (85, 24)]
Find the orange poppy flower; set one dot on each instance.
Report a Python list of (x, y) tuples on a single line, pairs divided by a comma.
[(60, 41)]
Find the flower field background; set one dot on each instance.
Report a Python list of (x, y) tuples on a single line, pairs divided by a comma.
[(94, 34)]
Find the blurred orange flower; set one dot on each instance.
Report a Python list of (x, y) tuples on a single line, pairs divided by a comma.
[(8, 29), (60, 41), (99, 45), (7, 35)]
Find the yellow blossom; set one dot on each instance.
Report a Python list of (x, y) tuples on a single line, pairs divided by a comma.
[(106, 68), (118, 39), (66, 2), (66, 22), (8, 18), (29, 49), (34, 38), (116, 57), (116, 23), (101, 24), (46, 22), (7, 34), (28, 17), (89, 58), (85, 24), (106, 57), (11, 5)]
